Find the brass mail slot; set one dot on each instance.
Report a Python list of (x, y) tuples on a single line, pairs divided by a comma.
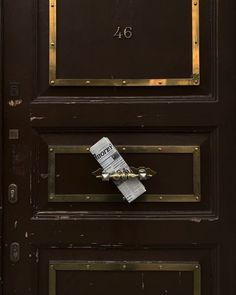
[(151, 151), (192, 77), (127, 268)]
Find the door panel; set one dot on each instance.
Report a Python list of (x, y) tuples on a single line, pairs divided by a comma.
[(63, 180), (159, 50), (135, 276), (65, 231), (122, 40)]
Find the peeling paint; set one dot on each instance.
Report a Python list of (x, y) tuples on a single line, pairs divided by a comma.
[(143, 284), (15, 224), (36, 118), (15, 102), (213, 219), (197, 220), (37, 255)]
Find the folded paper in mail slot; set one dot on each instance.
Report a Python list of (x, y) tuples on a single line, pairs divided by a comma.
[(111, 161)]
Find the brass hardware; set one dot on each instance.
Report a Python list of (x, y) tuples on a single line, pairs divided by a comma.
[(14, 252), (141, 173), (193, 80), (82, 149), (12, 193), (124, 266)]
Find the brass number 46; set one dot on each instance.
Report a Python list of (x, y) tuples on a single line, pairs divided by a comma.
[(123, 33)]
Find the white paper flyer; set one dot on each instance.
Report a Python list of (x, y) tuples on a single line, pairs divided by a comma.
[(111, 161)]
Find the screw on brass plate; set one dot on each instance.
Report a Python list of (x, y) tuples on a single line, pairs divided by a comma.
[(124, 266), (87, 198), (196, 149), (197, 198), (159, 149), (161, 198), (51, 150), (123, 148), (52, 44), (197, 266), (52, 266), (52, 82), (87, 82), (195, 3), (124, 82), (52, 5)]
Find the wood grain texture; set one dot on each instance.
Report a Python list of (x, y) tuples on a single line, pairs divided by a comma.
[(203, 115)]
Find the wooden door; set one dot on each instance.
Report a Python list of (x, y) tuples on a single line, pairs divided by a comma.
[(157, 78)]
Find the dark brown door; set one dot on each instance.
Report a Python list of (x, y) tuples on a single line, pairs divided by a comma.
[(157, 78)]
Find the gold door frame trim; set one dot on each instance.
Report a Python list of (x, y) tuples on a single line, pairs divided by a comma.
[(61, 265), (194, 80), (110, 198)]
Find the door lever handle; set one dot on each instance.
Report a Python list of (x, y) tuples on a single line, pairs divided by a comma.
[(140, 173)]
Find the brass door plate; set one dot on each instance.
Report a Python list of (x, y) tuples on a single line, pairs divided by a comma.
[(108, 198), (193, 80), (143, 266)]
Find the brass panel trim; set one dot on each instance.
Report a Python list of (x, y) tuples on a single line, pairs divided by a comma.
[(194, 80), (110, 198), (52, 279), (60, 265)]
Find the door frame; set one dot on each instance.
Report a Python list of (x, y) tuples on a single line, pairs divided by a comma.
[(1, 146)]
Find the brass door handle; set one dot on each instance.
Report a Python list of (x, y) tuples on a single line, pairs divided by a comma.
[(141, 173)]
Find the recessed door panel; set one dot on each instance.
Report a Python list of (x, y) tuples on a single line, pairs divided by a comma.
[(184, 166), (128, 44)]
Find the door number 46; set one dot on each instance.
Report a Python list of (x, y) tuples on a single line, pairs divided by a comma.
[(123, 33)]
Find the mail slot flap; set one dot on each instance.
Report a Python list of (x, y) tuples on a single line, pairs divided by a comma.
[(177, 178), (165, 181)]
